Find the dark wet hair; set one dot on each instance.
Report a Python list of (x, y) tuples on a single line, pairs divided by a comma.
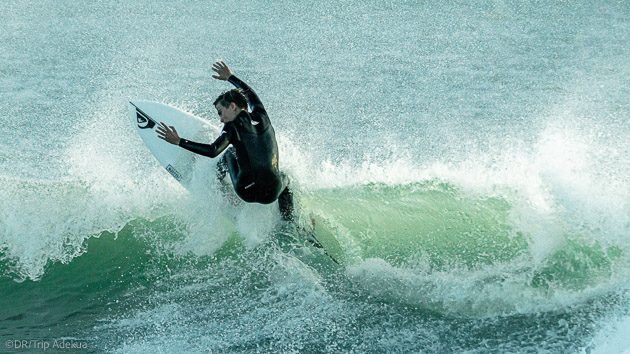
[(233, 95)]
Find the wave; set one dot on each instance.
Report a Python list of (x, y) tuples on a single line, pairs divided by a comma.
[(427, 244), (502, 232), (431, 245)]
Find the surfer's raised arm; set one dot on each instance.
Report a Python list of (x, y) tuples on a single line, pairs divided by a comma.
[(225, 74), (222, 70)]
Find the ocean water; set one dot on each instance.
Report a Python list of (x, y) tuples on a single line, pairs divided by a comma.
[(467, 165)]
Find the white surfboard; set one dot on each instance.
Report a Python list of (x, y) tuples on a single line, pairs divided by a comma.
[(146, 117)]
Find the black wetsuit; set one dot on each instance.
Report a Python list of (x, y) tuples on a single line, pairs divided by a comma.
[(253, 162)]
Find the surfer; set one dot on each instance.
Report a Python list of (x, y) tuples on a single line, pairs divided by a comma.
[(252, 160)]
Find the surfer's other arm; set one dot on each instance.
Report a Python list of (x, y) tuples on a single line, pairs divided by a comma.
[(169, 134), (209, 150)]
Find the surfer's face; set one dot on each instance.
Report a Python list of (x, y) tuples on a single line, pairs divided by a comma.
[(227, 114)]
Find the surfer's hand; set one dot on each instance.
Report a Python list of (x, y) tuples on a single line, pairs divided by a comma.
[(220, 68), (168, 134)]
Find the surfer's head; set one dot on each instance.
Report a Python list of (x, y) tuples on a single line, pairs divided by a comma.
[(229, 104)]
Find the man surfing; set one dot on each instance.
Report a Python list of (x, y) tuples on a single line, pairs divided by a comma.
[(252, 161)]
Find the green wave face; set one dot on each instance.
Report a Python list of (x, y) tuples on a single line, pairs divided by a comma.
[(429, 222), (433, 227)]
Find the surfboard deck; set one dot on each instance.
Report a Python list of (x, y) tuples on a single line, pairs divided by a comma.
[(146, 117)]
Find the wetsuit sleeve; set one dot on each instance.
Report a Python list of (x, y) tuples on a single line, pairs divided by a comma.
[(252, 99), (210, 150)]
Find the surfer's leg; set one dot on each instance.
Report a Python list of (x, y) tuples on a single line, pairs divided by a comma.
[(285, 200), (228, 163), (241, 188), (222, 167), (285, 203), (232, 165)]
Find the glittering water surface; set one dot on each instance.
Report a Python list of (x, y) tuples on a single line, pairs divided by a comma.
[(467, 165)]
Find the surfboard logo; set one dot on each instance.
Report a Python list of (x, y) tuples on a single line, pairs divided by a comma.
[(174, 172), (144, 122)]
